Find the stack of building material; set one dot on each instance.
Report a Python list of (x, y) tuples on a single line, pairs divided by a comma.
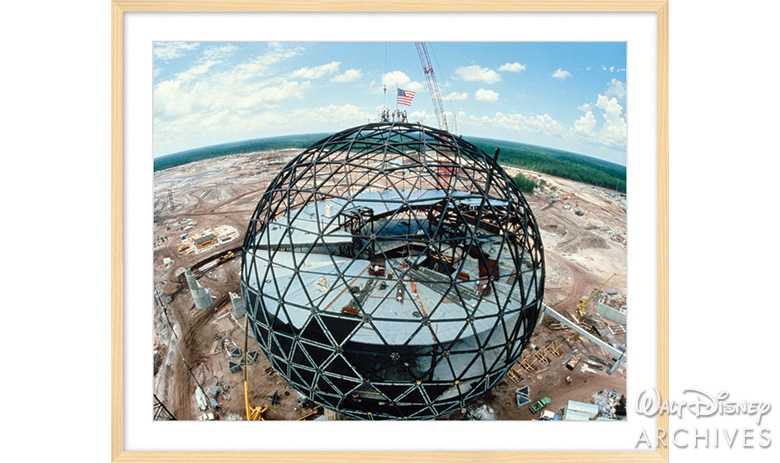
[(579, 411), (234, 367)]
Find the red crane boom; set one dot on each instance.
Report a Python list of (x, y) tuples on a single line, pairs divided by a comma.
[(433, 87)]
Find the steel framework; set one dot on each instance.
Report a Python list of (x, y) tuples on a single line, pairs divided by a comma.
[(161, 413), (392, 271)]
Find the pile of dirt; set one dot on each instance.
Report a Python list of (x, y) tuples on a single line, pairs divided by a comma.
[(215, 194), (584, 241)]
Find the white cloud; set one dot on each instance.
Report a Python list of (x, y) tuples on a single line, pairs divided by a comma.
[(455, 96), (612, 110), (538, 124), (348, 76), (400, 80), (429, 119), (209, 102), (616, 88), (585, 124), (171, 50), (486, 95), (613, 130), (561, 74), (477, 73), (196, 71), (219, 52), (176, 98), (512, 67), (612, 69), (225, 125), (260, 65), (603, 124), (335, 115), (287, 90), (317, 71), (422, 116)]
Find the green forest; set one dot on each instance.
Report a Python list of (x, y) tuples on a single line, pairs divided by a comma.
[(239, 147), (555, 162)]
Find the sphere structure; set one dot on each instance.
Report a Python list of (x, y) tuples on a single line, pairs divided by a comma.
[(392, 271)]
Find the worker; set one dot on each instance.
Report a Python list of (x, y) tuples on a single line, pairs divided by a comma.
[(568, 380)]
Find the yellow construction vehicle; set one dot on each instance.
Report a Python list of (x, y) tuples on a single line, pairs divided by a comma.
[(310, 414), (583, 301)]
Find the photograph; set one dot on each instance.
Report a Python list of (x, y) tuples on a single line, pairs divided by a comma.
[(392, 232), (351, 231)]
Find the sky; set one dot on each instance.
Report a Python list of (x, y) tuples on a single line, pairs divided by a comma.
[(569, 96)]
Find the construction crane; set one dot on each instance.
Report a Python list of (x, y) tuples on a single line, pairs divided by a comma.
[(433, 86), (581, 305), (252, 413)]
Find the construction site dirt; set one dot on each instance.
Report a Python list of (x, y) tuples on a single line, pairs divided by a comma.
[(584, 234)]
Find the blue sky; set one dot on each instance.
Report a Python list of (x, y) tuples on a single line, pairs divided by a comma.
[(569, 96)]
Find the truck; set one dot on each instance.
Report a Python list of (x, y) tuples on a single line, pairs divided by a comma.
[(547, 415), (539, 404)]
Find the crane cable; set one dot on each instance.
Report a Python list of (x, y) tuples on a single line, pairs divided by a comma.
[(384, 84), (452, 105)]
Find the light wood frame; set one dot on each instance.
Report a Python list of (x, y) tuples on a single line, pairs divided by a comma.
[(119, 7)]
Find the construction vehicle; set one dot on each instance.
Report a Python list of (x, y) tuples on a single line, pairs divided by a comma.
[(540, 404), (572, 363), (584, 301)]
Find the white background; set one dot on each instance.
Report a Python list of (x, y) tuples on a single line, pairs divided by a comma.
[(141, 433), (55, 83)]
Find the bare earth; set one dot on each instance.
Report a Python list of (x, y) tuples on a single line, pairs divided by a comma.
[(581, 253)]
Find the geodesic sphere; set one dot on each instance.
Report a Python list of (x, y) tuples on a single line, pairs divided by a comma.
[(392, 271)]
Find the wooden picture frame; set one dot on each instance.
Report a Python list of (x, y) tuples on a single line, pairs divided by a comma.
[(119, 7)]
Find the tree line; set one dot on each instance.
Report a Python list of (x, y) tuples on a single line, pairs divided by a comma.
[(558, 163), (550, 161), (239, 147)]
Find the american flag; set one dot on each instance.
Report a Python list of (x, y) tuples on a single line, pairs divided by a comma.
[(405, 97)]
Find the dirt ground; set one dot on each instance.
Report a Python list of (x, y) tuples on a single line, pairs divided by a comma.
[(192, 347)]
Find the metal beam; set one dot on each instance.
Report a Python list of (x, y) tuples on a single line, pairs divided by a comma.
[(616, 353)]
